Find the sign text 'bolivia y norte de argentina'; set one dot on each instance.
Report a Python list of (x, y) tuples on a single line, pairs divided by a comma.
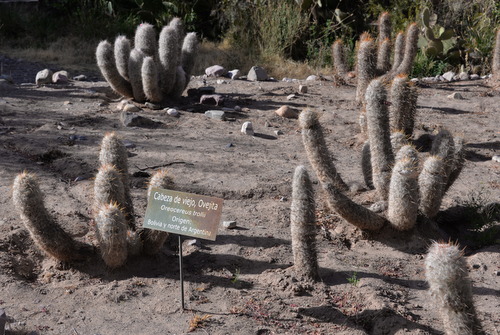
[(183, 213)]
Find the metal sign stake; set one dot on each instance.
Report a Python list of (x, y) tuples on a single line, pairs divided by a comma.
[(181, 273)]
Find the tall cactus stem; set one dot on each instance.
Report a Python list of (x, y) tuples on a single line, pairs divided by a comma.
[(366, 66), (382, 157), (458, 161), (339, 55), (495, 65), (451, 289), (399, 51), (431, 184), (107, 65), (403, 105), (384, 26), (108, 187), (150, 80), (135, 74), (384, 56), (145, 39), (188, 54), (122, 53), (302, 225), (317, 151), (366, 165), (42, 227), (169, 54), (112, 235), (411, 48)]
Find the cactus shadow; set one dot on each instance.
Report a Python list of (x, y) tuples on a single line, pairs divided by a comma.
[(372, 321)]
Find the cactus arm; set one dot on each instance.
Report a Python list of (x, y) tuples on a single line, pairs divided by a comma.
[(431, 183), (112, 235), (150, 80), (339, 58), (106, 63), (135, 74), (188, 54), (122, 53), (410, 50), (366, 66), (145, 40), (398, 51)]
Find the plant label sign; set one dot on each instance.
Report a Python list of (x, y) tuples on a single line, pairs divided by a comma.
[(183, 213)]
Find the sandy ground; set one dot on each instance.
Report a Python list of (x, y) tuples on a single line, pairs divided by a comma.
[(242, 282)]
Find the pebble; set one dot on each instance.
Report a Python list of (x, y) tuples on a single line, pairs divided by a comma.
[(312, 78), (80, 77), (463, 76), (131, 108), (302, 89), (237, 108), (133, 120), (291, 96), (496, 158), (221, 82), (152, 106), (257, 73), (43, 77), (278, 132), (456, 96), (215, 71), (212, 99), (287, 112), (229, 224), (216, 115), (173, 112), (60, 77), (247, 128), (128, 144), (414, 80), (449, 75), (474, 76), (287, 80)]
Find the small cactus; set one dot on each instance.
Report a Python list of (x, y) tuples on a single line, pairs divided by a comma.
[(302, 225), (108, 187), (403, 105), (431, 182), (112, 235), (495, 64), (130, 71), (451, 289), (339, 58), (384, 56)]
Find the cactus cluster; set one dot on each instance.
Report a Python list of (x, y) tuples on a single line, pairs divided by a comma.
[(116, 231), (390, 164), (451, 289), (374, 58), (152, 69), (495, 64)]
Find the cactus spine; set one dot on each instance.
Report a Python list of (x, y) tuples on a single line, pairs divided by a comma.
[(403, 190), (317, 151), (112, 235), (450, 286), (339, 57), (43, 229), (173, 54), (381, 154), (302, 225), (366, 65), (153, 240)]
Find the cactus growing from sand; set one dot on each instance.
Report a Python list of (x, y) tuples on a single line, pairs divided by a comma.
[(451, 289), (153, 69), (112, 235), (403, 106), (366, 65), (302, 225), (339, 56)]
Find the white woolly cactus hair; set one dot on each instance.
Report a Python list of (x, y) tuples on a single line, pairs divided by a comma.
[(451, 289), (112, 235)]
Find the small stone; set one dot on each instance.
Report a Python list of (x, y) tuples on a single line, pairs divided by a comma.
[(60, 77), (498, 273), (43, 77), (212, 99), (283, 199), (221, 82), (80, 77), (131, 108), (456, 96), (302, 89), (122, 104), (229, 145), (291, 96), (474, 76), (257, 73), (237, 108), (312, 77), (476, 266), (449, 75), (496, 158), (287, 112), (152, 106), (463, 76), (215, 71), (287, 80), (173, 112), (278, 132), (133, 120), (216, 115), (128, 144), (414, 80), (192, 242), (229, 224), (234, 74), (247, 128)]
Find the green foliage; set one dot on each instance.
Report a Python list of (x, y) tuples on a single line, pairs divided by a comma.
[(436, 36), (425, 66), (353, 280)]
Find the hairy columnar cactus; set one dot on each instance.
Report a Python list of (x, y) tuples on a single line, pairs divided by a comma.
[(317, 151), (107, 65), (384, 56), (431, 183), (495, 65), (112, 235), (150, 79), (302, 225), (108, 187), (411, 49), (451, 289), (145, 39), (403, 191), (152, 239), (135, 76), (366, 65), (382, 157), (457, 161), (384, 26), (339, 58), (122, 50), (113, 152), (169, 55), (43, 229), (403, 105), (399, 51)]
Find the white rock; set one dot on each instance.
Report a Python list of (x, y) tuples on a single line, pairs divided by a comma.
[(312, 77), (122, 104), (474, 76), (131, 108), (247, 128), (60, 77), (215, 71), (449, 75), (456, 96), (234, 74), (496, 158), (44, 77), (287, 112), (221, 82), (414, 80), (216, 115), (257, 73), (484, 77), (172, 112), (287, 80), (463, 76), (229, 224), (291, 96), (302, 89)]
